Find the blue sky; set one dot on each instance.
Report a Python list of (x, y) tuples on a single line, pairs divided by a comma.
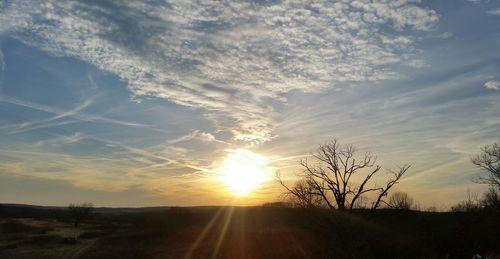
[(136, 103)]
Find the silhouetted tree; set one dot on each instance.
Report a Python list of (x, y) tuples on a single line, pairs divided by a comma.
[(489, 160), (302, 195), (400, 201), (491, 200), (78, 212), (331, 177), (471, 204)]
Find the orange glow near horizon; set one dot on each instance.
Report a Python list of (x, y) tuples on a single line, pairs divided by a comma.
[(244, 171)]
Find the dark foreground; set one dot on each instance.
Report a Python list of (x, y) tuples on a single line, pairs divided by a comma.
[(253, 232)]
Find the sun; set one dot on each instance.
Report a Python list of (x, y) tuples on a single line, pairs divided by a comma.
[(244, 171)]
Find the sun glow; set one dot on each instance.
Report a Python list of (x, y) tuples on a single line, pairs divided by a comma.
[(243, 171)]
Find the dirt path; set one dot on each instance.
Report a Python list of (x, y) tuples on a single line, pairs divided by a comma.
[(80, 248)]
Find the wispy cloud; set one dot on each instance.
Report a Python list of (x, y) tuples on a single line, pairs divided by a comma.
[(2, 61), (93, 84), (228, 57), (110, 172), (475, 1), (494, 12)]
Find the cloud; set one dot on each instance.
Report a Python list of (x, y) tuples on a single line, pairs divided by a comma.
[(205, 136), (227, 58), (494, 12), (114, 171), (493, 85), (111, 171), (61, 140)]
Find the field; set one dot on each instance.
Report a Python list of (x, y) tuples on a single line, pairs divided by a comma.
[(247, 232)]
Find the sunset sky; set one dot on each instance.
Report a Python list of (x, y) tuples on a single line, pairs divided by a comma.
[(144, 103)]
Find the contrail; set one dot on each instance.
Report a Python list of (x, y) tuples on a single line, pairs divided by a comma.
[(75, 113), (46, 123)]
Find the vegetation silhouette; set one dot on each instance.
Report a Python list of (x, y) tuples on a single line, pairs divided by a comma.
[(489, 160), (78, 212), (330, 179), (400, 201)]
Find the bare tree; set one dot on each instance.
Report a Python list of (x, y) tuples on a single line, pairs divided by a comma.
[(471, 204), (78, 212), (400, 201), (489, 160), (332, 177), (396, 175), (302, 195), (491, 200)]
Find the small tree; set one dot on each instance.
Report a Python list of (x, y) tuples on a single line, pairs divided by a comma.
[(331, 177), (400, 201), (78, 212), (302, 195), (489, 160)]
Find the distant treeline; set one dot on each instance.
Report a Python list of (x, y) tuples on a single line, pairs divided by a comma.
[(30, 211)]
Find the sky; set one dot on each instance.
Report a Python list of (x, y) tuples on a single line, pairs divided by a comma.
[(140, 103)]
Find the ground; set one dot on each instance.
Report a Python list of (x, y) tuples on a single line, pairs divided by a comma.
[(249, 232)]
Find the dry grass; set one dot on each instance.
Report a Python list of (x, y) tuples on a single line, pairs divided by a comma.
[(40, 238)]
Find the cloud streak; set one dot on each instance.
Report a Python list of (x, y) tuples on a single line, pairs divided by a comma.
[(228, 58), (494, 12)]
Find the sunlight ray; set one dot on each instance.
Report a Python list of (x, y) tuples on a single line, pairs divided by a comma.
[(227, 220), (202, 235)]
